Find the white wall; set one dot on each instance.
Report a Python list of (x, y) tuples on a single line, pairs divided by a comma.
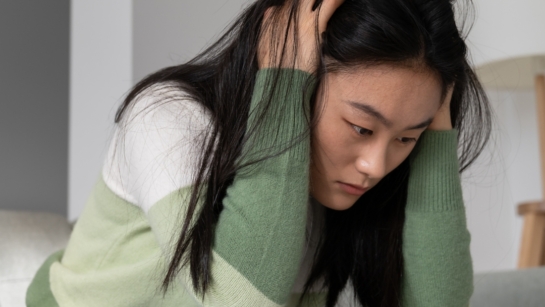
[(100, 74), (507, 28), (168, 33), (507, 174), (510, 171)]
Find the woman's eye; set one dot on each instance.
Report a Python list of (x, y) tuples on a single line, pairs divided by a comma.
[(407, 140), (362, 131)]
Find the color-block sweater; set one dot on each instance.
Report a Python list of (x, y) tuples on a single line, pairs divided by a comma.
[(120, 245)]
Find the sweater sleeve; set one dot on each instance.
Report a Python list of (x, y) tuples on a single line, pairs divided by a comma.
[(260, 233), (438, 265)]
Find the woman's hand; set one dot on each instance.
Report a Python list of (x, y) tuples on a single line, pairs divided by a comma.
[(275, 24), (442, 121)]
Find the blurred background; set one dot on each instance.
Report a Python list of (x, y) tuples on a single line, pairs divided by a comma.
[(66, 65)]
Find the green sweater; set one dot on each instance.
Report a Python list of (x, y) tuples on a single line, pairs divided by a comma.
[(120, 246)]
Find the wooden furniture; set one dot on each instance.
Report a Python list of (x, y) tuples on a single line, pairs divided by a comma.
[(532, 250)]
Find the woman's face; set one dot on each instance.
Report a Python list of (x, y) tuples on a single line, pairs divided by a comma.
[(369, 122)]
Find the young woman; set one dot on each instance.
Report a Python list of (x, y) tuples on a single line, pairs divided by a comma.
[(306, 158)]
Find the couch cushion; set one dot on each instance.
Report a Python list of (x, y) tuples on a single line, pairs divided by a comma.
[(26, 240), (525, 287)]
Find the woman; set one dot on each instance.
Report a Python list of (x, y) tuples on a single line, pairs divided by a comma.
[(308, 157)]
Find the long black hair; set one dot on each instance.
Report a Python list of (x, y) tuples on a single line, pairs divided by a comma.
[(361, 245)]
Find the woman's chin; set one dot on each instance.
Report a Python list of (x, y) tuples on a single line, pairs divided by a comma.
[(336, 202)]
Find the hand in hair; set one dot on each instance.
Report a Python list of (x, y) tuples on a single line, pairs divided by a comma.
[(442, 121), (284, 45)]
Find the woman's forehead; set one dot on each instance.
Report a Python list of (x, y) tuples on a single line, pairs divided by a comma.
[(394, 93), (386, 75)]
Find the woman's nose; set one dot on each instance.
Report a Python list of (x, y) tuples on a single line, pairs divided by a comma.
[(372, 163)]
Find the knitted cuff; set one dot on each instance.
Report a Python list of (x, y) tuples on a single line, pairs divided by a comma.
[(434, 183), (279, 113)]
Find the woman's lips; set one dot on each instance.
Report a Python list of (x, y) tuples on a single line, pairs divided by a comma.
[(352, 189)]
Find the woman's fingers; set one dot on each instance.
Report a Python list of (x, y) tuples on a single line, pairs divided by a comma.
[(268, 13), (327, 9), (276, 23), (442, 121), (307, 5)]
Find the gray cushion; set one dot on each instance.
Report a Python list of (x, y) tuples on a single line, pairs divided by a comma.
[(525, 288), (26, 239)]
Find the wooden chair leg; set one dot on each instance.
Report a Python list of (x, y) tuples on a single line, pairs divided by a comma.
[(533, 241)]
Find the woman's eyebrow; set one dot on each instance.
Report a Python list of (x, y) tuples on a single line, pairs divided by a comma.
[(369, 110), (423, 124)]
